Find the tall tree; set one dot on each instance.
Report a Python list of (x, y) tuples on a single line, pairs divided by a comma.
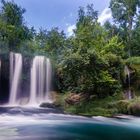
[(88, 32), (136, 38), (55, 41), (124, 13), (14, 30)]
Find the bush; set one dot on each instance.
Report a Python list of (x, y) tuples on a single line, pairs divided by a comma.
[(121, 106), (134, 109), (88, 73), (133, 60)]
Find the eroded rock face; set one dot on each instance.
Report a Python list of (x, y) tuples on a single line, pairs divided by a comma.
[(74, 98)]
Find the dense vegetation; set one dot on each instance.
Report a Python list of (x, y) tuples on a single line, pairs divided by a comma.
[(91, 61)]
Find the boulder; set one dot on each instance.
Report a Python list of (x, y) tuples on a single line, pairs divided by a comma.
[(74, 98), (47, 105), (50, 105)]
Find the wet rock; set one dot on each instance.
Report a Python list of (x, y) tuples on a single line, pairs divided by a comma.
[(53, 106), (48, 105)]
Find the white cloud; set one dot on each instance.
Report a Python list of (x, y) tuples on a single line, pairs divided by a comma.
[(70, 29), (105, 15)]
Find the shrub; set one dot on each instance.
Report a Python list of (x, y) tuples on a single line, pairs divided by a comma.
[(134, 109), (133, 60)]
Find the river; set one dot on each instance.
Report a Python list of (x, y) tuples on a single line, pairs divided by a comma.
[(26, 123)]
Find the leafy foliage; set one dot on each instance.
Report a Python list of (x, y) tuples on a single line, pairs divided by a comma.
[(90, 61), (13, 30), (124, 13), (88, 65)]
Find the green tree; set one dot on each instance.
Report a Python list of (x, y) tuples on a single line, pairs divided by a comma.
[(55, 41), (124, 13), (13, 29), (50, 43), (136, 38), (84, 67), (88, 32), (114, 46)]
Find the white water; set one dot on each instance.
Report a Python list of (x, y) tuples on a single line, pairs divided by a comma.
[(48, 79), (0, 73), (40, 80), (127, 76), (0, 67), (15, 74)]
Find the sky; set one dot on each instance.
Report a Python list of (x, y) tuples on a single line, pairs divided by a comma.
[(59, 13)]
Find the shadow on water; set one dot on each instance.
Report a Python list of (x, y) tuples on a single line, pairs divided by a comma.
[(47, 124)]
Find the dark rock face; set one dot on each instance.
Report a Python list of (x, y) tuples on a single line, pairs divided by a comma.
[(4, 78), (48, 105), (52, 106), (28, 111), (25, 79)]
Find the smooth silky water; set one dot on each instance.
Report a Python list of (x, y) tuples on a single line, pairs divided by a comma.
[(18, 123), (22, 121), (40, 81)]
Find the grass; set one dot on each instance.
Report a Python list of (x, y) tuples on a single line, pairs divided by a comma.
[(95, 107), (108, 107)]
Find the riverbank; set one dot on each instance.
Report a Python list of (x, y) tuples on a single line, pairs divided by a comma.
[(109, 106)]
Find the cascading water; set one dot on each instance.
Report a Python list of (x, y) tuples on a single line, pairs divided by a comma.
[(127, 75), (0, 67), (40, 80), (15, 74), (0, 74), (128, 79), (48, 78)]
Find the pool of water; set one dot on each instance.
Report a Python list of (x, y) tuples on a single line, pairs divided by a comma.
[(18, 123)]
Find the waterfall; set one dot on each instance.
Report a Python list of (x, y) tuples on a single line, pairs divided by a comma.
[(48, 78), (0, 75), (15, 74), (40, 80), (128, 92), (127, 75), (0, 67)]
